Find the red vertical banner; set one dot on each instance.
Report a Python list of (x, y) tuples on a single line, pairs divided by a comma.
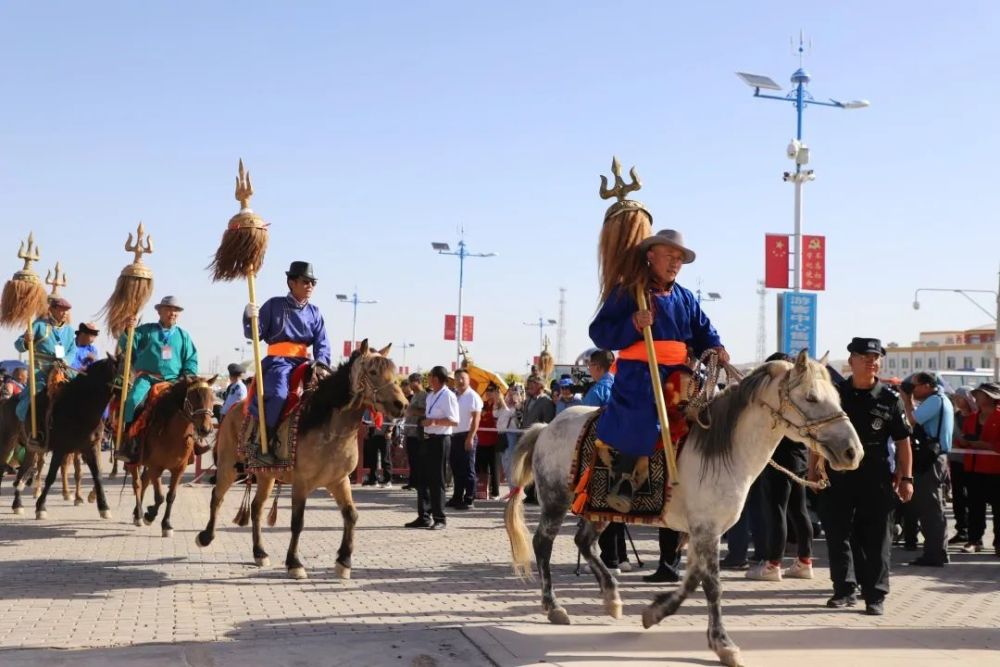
[(814, 263), (776, 261), (347, 348), (404, 370), (449, 327), (454, 366), (468, 322)]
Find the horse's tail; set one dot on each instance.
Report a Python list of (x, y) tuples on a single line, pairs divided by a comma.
[(513, 517)]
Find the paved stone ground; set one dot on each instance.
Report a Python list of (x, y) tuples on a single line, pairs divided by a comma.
[(117, 594)]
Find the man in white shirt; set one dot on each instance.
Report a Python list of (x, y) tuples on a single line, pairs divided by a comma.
[(463, 443), (440, 419)]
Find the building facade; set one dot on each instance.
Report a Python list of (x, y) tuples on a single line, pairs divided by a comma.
[(942, 351)]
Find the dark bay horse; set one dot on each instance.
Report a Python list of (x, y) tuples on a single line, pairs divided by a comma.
[(327, 451), (182, 416)]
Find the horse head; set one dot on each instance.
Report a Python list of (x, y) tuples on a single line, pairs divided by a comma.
[(373, 381), (809, 412), (199, 398)]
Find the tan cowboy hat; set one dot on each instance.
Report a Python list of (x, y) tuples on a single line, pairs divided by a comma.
[(668, 237)]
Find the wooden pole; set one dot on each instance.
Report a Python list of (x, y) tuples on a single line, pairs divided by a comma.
[(31, 380), (661, 404), (259, 373), (126, 372)]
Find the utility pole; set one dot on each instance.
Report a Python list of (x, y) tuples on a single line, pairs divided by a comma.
[(561, 327), (761, 322)]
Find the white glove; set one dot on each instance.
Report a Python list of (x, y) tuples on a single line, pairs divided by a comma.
[(251, 311)]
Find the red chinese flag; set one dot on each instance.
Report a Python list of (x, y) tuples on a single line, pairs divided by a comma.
[(449, 327), (467, 326), (814, 263), (776, 261), (347, 348)]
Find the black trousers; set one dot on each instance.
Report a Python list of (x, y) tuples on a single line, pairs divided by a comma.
[(959, 496), (984, 489), (430, 485), (413, 458), (669, 547), (784, 503), (463, 469), (612, 543), (856, 511), (486, 462), (377, 447)]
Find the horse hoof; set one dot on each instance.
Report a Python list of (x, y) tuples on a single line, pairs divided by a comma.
[(297, 573), (650, 617), (203, 539), (78, 502), (105, 514), (92, 497), (558, 616), (342, 571), (614, 608), (137, 522), (730, 657), (66, 496), (147, 520), (167, 532), (18, 510), (41, 514), (265, 561)]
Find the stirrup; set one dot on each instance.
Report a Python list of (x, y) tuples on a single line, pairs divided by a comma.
[(619, 501)]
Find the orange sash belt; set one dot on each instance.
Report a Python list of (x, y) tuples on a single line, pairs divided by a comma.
[(668, 352), (288, 350)]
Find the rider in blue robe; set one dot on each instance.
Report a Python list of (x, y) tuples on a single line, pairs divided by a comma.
[(289, 325)]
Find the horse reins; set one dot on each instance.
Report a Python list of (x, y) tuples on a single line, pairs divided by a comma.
[(189, 412)]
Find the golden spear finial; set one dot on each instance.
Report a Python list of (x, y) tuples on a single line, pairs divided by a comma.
[(56, 279), (29, 254), (244, 188), (621, 188)]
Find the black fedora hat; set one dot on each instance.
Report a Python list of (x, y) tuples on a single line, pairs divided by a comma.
[(300, 270)]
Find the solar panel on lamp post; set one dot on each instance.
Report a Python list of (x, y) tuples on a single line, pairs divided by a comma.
[(541, 324)]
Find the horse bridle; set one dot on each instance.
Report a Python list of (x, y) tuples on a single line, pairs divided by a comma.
[(370, 391), (809, 429), (188, 411)]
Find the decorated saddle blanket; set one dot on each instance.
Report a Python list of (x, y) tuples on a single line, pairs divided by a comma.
[(590, 475), (283, 443), (156, 392)]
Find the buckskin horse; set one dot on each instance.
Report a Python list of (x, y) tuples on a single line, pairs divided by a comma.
[(716, 468), (177, 419), (326, 451)]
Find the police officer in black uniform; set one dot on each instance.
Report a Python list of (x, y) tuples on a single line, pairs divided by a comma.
[(856, 510)]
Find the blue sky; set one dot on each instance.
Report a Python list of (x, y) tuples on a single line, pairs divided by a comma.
[(372, 129)]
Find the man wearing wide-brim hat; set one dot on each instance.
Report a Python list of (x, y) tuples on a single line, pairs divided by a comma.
[(53, 336), (630, 424), (161, 352), (289, 324), (86, 352)]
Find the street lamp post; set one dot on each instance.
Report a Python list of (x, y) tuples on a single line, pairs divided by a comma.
[(994, 316), (461, 253), (800, 98), (541, 324), (405, 347), (354, 301)]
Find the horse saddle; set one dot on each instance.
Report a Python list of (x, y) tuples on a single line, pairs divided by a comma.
[(141, 422)]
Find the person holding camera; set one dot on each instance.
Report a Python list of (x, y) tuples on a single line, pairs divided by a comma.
[(857, 508), (933, 422)]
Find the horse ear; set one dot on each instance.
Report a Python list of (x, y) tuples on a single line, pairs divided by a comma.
[(213, 379), (363, 350), (385, 350), (802, 361), (823, 362)]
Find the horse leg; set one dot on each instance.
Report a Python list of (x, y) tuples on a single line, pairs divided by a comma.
[(166, 530), (37, 479), (50, 479), (22, 470), (90, 458), (264, 486), (139, 490), (586, 538), (292, 562), (154, 476), (341, 492), (707, 548), (78, 477), (224, 477), (665, 604), (64, 468), (545, 535)]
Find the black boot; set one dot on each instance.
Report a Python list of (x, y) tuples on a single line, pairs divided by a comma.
[(128, 450)]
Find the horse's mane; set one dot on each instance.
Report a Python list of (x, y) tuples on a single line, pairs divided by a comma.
[(332, 393), (170, 404), (716, 443)]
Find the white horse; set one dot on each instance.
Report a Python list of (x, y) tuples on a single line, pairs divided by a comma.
[(716, 468)]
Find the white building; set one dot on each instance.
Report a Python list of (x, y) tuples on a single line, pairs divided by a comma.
[(942, 351)]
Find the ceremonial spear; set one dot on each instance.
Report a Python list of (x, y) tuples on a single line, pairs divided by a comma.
[(132, 290), (23, 300), (626, 224), (240, 255)]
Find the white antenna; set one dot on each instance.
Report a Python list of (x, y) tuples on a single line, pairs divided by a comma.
[(803, 49)]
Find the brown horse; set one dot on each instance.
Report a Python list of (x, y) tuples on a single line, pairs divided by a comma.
[(182, 415), (326, 451)]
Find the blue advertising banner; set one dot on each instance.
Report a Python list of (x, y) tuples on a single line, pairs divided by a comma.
[(798, 322)]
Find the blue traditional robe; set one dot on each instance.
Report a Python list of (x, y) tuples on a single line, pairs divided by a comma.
[(630, 423), (158, 355), (284, 320), (83, 357), (52, 342)]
